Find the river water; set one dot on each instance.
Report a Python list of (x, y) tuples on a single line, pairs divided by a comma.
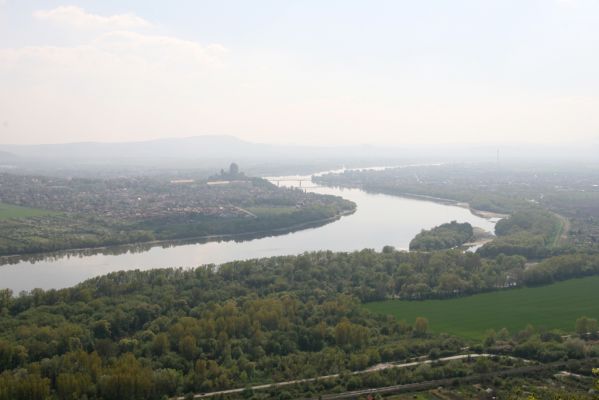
[(379, 220)]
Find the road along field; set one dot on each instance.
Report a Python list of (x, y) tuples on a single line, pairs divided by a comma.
[(555, 306)]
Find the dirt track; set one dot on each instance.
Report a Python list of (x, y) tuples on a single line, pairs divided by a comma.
[(378, 367)]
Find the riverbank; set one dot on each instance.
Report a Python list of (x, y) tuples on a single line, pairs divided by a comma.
[(450, 202), (481, 236), (435, 199), (378, 221), (123, 248), (463, 204)]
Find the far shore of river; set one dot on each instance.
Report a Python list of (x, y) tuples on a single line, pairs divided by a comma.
[(144, 246)]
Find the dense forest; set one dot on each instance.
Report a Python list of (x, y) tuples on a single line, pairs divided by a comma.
[(444, 236), (130, 335), (530, 232)]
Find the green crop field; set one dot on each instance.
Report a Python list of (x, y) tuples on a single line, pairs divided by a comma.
[(554, 306), (10, 211)]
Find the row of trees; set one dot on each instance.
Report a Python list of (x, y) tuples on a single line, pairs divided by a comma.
[(560, 268), (528, 232), (128, 379)]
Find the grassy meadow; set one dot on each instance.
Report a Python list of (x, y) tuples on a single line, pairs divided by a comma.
[(9, 211), (555, 306)]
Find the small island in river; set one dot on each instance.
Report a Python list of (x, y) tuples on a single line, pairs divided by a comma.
[(444, 236)]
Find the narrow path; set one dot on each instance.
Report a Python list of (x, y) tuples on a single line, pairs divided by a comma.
[(246, 212), (412, 387), (378, 367), (562, 235)]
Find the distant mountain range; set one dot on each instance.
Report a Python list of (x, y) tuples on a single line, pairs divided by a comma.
[(212, 150), (5, 156), (206, 153), (205, 147)]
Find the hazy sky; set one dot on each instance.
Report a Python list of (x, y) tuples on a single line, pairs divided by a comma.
[(310, 72)]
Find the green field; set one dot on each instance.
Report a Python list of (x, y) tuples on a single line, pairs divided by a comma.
[(262, 211), (9, 211), (554, 306)]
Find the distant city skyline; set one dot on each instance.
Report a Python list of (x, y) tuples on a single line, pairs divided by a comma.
[(306, 73)]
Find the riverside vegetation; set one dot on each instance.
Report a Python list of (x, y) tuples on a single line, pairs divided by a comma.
[(444, 236)]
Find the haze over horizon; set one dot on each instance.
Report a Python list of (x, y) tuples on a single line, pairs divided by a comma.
[(570, 142), (388, 73)]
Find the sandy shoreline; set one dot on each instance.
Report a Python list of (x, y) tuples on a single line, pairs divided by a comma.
[(463, 204)]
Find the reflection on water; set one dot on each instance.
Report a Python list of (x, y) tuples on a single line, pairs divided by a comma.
[(379, 220), (143, 247)]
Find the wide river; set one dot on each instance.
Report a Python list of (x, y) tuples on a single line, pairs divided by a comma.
[(379, 220)]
